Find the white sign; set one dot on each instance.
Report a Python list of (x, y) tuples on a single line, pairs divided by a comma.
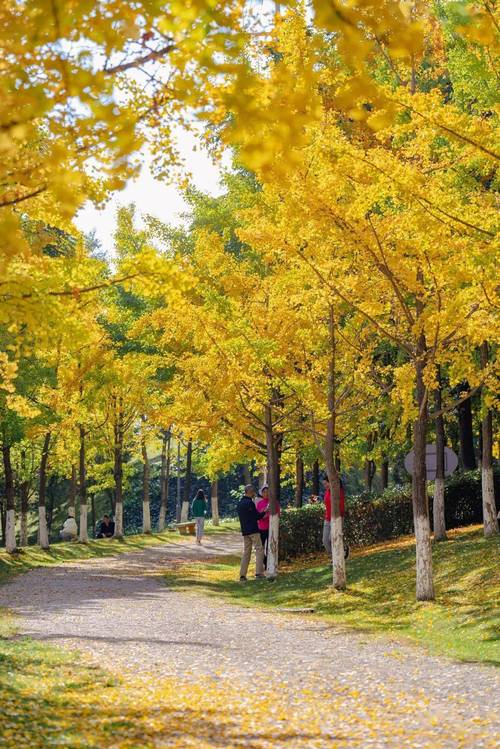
[(450, 462)]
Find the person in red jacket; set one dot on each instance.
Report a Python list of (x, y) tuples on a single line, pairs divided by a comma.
[(327, 523)]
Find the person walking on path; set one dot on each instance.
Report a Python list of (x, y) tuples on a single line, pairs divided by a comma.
[(327, 523), (249, 517), (262, 503), (199, 512)]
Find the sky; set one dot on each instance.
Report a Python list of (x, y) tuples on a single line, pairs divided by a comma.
[(151, 196)]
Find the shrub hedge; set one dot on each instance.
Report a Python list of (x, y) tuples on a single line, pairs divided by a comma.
[(371, 519)]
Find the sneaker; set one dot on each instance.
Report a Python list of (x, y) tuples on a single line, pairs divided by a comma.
[(347, 552), (243, 579), (262, 577)]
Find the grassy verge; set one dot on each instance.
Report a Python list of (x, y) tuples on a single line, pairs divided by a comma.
[(34, 556), (462, 623)]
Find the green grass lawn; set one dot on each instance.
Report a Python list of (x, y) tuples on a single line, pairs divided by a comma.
[(462, 623)]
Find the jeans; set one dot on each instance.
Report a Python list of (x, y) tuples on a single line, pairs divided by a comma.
[(248, 542), (200, 527)]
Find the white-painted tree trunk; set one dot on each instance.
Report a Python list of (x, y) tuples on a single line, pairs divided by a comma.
[(425, 588), (10, 530), (214, 502), (338, 558), (161, 518), (43, 534), (273, 546), (84, 530), (438, 515), (119, 520), (23, 530), (185, 512), (489, 507), (146, 518)]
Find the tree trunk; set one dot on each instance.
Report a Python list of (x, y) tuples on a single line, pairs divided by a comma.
[(10, 513), (315, 478), (83, 536), (214, 501), (24, 492), (187, 484), (72, 491), (164, 479), (384, 473), (118, 466), (43, 534), (490, 519), (178, 499), (274, 490), (247, 474), (369, 471), (299, 481), (146, 510), (466, 433), (438, 514), (331, 464), (424, 583)]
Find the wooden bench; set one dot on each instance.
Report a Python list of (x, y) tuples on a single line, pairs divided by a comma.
[(186, 529)]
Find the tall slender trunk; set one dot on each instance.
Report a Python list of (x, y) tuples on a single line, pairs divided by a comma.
[(214, 501), (178, 498), (164, 479), (146, 509), (466, 433), (247, 474), (10, 514), (424, 583), (331, 464), (118, 465), (72, 491), (50, 504), (24, 492), (187, 484), (299, 481), (487, 484), (83, 536), (384, 473), (43, 533), (315, 478), (274, 491), (438, 513)]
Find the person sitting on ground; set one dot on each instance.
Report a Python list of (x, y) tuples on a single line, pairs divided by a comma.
[(107, 528), (262, 503), (69, 531), (249, 517), (199, 511), (327, 524)]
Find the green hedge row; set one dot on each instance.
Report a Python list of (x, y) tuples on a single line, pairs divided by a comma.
[(371, 519)]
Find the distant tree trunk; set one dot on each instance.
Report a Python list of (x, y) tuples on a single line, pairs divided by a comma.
[(50, 504), (247, 474), (331, 463), (369, 472), (490, 519), (299, 481), (24, 492), (466, 434), (273, 468), (118, 465), (10, 513), (438, 513), (178, 499), (43, 534), (214, 501), (72, 491), (187, 484), (164, 479), (315, 478), (83, 536), (146, 510), (424, 582), (384, 473)]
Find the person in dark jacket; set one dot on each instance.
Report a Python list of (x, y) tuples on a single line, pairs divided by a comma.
[(249, 517), (107, 528), (199, 511)]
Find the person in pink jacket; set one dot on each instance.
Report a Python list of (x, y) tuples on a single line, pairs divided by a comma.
[(261, 504)]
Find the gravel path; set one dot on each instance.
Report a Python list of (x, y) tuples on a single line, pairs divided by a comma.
[(365, 691)]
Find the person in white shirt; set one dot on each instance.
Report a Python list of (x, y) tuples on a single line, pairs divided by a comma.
[(69, 531)]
